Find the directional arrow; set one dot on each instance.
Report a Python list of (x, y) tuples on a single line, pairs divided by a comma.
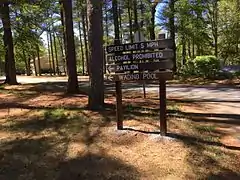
[(151, 66), (146, 76), (110, 77)]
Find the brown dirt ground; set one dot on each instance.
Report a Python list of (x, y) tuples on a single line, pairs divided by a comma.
[(47, 135)]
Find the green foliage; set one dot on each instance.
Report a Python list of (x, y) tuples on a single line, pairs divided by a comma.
[(54, 115), (206, 66), (202, 66)]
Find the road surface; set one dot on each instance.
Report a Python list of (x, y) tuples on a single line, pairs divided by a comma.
[(209, 93)]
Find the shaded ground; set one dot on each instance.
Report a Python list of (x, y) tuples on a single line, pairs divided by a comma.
[(45, 134)]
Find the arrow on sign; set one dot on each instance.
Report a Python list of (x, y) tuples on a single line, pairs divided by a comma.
[(110, 68), (110, 77), (151, 66), (147, 76)]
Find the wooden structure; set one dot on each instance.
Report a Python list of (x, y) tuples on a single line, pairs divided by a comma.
[(128, 62)]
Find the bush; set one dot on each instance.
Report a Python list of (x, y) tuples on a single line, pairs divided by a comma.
[(202, 66), (206, 66)]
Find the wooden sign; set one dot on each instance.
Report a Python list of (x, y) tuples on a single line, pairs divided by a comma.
[(141, 66), (147, 45), (163, 75), (151, 66), (164, 54)]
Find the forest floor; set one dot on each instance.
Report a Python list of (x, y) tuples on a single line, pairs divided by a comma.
[(45, 134)]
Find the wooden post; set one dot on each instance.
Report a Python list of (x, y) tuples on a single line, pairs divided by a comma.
[(163, 105), (144, 89), (119, 113)]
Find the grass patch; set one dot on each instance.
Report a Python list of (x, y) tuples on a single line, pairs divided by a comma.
[(205, 129)]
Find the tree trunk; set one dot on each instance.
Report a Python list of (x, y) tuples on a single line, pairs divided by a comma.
[(64, 36), (56, 54), (81, 45), (172, 32), (189, 49), (193, 47), (62, 54), (152, 25), (49, 55), (52, 53), (183, 50), (106, 22), (72, 86), (238, 27), (215, 34), (85, 40), (27, 66), (10, 68), (130, 21), (39, 61), (96, 96), (136, 25), (34, 64), (120, 21)]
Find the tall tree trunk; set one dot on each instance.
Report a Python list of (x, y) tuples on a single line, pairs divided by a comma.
[(106, 21), (72, 86), (39, 60), (64, 35), (135, 12), (152, 25), (215, 34), (189, 49), (183, 50), (52, 53), (49, 55), (95, 29), (85, 39), (34, 64), (81, 45), (193, 47), (10, 68), (116, 22), (237, 26), (62, 54), (120, 20), (27, 66), (172, 32), (56, 54), (130, 20)]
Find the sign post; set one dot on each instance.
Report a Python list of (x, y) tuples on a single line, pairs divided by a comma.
[(154, 64), (118, 85), (163, 103)]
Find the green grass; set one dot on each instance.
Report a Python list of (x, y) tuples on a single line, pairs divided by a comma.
[(205, 129)]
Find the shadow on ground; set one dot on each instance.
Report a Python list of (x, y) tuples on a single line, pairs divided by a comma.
[(41, 153), (44, 158)]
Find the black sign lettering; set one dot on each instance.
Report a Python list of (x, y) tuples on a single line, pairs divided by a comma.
[(165, 64), (164, 54), (148, 76), (147, 45)]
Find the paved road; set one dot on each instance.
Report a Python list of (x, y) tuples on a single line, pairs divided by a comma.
[(208, 93)]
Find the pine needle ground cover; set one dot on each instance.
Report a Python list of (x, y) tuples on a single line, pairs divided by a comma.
[(45, 134)]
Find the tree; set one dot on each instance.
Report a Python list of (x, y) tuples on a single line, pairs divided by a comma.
[(96, 95), (72, 86), (10, 69)]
